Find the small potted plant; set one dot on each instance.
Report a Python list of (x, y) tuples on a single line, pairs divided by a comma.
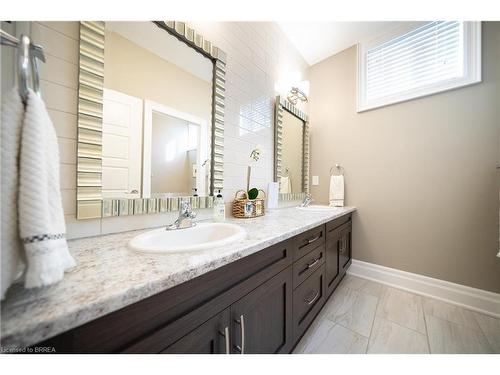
[(247, 204)]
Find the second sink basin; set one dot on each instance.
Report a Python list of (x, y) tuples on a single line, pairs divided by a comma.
[(317, 207), (203, 236)]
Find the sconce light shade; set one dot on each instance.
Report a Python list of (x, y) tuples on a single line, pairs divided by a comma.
[(299, 92)]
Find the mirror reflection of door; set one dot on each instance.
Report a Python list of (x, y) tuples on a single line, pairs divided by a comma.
[(291, 157), (174, 156), (122, 140), (175, 146), (157, 109)]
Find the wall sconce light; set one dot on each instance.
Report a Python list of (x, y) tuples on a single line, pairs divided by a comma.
[(299, 92)]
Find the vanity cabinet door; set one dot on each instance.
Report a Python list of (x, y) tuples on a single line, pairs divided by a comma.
[(337, 254), (261, 322), (345, 246), (332, 269), (212, 337)]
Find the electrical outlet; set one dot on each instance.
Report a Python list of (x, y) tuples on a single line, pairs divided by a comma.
[(315, 180)]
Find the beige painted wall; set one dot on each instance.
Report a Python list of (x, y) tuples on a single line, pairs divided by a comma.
[(135, 71), (291, 156), (422, 173)]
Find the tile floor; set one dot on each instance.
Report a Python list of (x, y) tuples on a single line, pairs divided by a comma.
[(366, 317)]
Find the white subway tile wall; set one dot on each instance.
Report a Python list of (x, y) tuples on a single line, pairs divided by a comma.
[(258, 52)]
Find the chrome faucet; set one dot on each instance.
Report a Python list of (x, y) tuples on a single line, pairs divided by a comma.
[(307, 200), (186, 216)]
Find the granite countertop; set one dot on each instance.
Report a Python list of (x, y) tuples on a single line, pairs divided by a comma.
[(109, 276)]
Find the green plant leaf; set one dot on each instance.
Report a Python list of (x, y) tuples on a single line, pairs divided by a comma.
[(253, 193)]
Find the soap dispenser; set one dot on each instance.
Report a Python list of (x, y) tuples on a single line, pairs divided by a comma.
[(219, 208)]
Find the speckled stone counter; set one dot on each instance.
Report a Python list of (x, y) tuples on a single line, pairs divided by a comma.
[(109, 276)]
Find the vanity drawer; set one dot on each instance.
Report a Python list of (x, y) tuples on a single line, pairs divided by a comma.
[(308, 299), (337, 222), (305, 266), (307, 241)]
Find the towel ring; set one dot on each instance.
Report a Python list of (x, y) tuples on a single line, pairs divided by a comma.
[(339, 168), (27, 56)]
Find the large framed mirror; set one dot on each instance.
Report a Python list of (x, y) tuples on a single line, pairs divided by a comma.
[(291, 150), (150, 118)]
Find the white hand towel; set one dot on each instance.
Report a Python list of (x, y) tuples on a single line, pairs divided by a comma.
[(337, 191), (41, 218), (285, 185), (11, 260)]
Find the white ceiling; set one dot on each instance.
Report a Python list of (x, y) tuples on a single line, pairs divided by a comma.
[(318, 40)]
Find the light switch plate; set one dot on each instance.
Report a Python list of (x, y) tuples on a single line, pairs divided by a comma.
[(315, 180)]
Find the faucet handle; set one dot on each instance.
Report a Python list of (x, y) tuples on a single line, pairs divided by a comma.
[(185, 206), (186, 209)]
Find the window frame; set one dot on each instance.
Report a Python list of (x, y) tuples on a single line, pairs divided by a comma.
[(472, 67)]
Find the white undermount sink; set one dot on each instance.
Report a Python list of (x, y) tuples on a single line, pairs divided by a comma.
[(318, 208), (203, 236)]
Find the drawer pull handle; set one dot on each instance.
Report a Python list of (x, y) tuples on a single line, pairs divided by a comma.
[(309, 265), (241, 322), (225, 334), (311, 301), (311, 240)]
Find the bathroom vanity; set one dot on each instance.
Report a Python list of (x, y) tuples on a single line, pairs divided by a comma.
[(262, 303), (258, 295)]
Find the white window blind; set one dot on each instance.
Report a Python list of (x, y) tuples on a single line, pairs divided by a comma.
[(433, 57)]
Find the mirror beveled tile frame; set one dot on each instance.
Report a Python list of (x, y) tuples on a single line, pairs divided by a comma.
[(282, 104), (90, 204)]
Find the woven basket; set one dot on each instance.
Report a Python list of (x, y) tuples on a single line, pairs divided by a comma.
[(244, 208)]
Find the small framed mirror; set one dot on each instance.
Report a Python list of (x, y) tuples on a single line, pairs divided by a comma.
[(150, 118), (291, 150)]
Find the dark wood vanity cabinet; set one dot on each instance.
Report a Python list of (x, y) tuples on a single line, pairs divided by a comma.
[(338, 251), (212, 337), (262, 303), (345, 247), (262, 320), (308, 299)]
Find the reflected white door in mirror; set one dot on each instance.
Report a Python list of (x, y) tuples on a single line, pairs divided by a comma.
[(150, 118), (121, 145), (175, 149)]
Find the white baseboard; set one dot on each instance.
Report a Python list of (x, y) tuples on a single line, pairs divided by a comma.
[(470, 298)]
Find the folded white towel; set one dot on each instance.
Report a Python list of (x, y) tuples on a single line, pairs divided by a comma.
[(285, 185), (337, 191), (41, 218), (11, 260)]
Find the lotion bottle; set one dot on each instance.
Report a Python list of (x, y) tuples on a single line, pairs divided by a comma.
[(219, 213)]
